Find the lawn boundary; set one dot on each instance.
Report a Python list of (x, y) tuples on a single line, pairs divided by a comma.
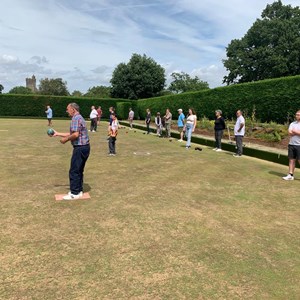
[(249, 151)]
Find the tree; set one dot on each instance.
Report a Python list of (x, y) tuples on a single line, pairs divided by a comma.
[(140, 78), (1, 88), (76, 94), (98, 91), (182, 82), (56, 87), (22, 90), (270, 48)]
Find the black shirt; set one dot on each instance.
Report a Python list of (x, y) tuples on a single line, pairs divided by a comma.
[(219, 123)]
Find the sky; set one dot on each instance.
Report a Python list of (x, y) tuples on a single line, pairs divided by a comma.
[(82, 41)]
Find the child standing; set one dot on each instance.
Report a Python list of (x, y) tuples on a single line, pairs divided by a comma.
[(113, 132)]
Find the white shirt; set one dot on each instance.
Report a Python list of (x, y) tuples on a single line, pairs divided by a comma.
[(240, 120), (191, 119), (93, 114), (295, 139)]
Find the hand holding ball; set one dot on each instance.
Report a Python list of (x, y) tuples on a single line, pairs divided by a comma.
[(50, 132)]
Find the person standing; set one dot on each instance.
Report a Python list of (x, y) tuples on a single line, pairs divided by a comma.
[(219, 129), (180, 124), (99, 112), (239, 132), (113, 132), (191, 122), (78, 136), (49, 114), (158, 124), (130, 117), (148, 120), (93, 118), (168, 122), (294, 146)]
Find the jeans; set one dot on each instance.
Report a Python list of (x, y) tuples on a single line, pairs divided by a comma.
[(112, 144), (218, 137), (188, 133), (78, 160), (148, 127), (239, 144)]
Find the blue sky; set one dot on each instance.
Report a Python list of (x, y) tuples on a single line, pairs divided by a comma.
[(82, 41)]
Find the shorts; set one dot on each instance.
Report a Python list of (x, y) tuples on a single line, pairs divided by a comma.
[(180, 129), (49, 119), (294, 152)]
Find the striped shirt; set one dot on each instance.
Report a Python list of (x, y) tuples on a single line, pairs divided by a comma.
[(78, 125)]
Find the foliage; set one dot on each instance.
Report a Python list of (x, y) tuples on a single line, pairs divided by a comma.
[(1, 88), (141, 77), (55, 87), (122, 110), (272, 100), (183, 82), (270, 48), (76, 93), (34, 105), (22, 90), (98, 91)]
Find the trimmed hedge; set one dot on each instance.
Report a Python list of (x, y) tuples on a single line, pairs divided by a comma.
[(271, 100), (35, 105)]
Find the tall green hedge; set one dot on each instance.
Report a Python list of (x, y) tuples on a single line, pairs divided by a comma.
[(271, 100), (35, 105)]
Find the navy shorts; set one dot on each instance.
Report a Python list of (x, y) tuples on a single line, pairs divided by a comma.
[(294, 152)]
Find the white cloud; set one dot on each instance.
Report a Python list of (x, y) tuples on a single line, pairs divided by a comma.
[(82, 41)]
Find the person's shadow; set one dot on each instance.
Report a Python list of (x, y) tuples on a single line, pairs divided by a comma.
[(277, 174)]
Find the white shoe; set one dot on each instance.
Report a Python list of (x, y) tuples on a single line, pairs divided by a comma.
[(72, 197), (288, 177), (180, 141), (218, 150), (237, 155), (93, 131), (215, 149), (81, 193)]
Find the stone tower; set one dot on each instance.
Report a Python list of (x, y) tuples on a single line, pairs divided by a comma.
[(31, 83)]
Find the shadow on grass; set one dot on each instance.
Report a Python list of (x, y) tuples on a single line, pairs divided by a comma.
[(278, 174)]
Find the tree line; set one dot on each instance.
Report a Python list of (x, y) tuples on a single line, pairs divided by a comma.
[(269, 49)]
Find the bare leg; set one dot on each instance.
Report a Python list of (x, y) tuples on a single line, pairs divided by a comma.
[(292, 164)]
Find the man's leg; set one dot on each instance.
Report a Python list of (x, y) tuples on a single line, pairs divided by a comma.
[(239, 144), (110, 144), (292, 165), (85, 152), (75, 169)]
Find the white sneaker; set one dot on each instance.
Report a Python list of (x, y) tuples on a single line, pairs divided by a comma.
[(288, 177), (72, 197), (93, 131), (218, 150), (215, 149), (180, 141), (81, 193)]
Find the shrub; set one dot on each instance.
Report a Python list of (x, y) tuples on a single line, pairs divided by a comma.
[(267, 100), (35, 105)]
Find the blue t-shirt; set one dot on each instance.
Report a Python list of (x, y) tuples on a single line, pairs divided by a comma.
[(180, 121)]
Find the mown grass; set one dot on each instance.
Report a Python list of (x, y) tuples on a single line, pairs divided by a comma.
[(164, 223)]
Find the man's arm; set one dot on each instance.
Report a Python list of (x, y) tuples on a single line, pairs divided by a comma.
[(66, 137)]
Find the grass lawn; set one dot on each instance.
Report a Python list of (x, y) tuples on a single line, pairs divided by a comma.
[(163, 223)]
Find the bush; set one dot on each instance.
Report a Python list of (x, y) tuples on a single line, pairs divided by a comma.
[(267, 100), (35, 105)]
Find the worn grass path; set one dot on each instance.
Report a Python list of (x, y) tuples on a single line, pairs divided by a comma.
[(164, 223)]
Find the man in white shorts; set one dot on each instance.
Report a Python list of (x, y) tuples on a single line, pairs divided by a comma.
[(294, 146)]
